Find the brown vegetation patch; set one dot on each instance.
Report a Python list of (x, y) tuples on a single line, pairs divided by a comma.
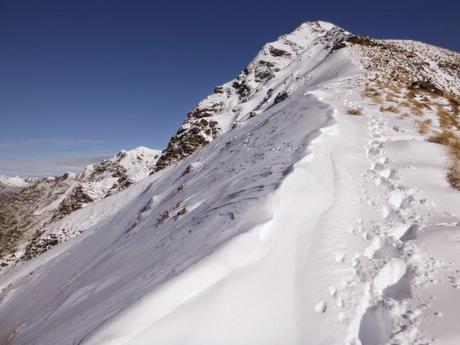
[(389, 108), (424, 126), (452, 141), (355, 111)]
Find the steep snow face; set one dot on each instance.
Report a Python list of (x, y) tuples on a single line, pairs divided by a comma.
[(24, 215), (316, 214), (264, 82)]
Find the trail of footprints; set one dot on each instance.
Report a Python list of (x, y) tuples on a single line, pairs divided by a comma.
[(387, 262), (379, 290)]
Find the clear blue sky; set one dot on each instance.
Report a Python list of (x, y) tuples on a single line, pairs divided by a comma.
[(81, 79)]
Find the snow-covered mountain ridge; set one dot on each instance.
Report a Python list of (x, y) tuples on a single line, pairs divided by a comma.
[(10, 185), (394, 64), (321, 212), (43, 201), (255, 89), (15, 181)]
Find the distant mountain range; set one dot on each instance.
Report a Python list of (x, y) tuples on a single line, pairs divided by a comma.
[(28, 205)]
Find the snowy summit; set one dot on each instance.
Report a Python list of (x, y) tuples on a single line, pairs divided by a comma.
[(314, 199)]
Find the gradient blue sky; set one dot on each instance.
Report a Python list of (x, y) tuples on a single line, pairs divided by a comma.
[(83, 79)]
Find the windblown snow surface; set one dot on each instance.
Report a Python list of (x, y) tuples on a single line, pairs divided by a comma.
[(305, 225)]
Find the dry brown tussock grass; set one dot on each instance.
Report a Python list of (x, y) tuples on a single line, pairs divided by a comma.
[(424, 126), (355, 111), (452, 141)]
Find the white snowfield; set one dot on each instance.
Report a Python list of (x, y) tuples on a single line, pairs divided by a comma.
[(305, 225)]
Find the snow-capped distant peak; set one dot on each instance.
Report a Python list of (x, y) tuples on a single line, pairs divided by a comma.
[(135, 164), (49, 199), (138, 161), (15, 181), (318, 25)]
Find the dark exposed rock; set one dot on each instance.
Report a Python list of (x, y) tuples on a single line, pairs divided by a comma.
[(243, 90), (262, 75), (188, 140), (281, 97), (426, 86), (180, 148), (362, 40), (264, 70), (339, 45), (219, 89), (39, 246), (180, 131), (210, 110), (278, 52), (180, 213), (77, 199)]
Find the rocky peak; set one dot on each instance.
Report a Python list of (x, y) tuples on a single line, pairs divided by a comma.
[(237, 100)]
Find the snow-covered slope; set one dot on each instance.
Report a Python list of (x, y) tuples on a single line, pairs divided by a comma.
[(25, 214), (322, 212)]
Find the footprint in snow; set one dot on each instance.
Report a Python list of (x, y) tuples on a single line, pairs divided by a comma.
[(454, 282), (320, 307), (332, 291), (339, 258)]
